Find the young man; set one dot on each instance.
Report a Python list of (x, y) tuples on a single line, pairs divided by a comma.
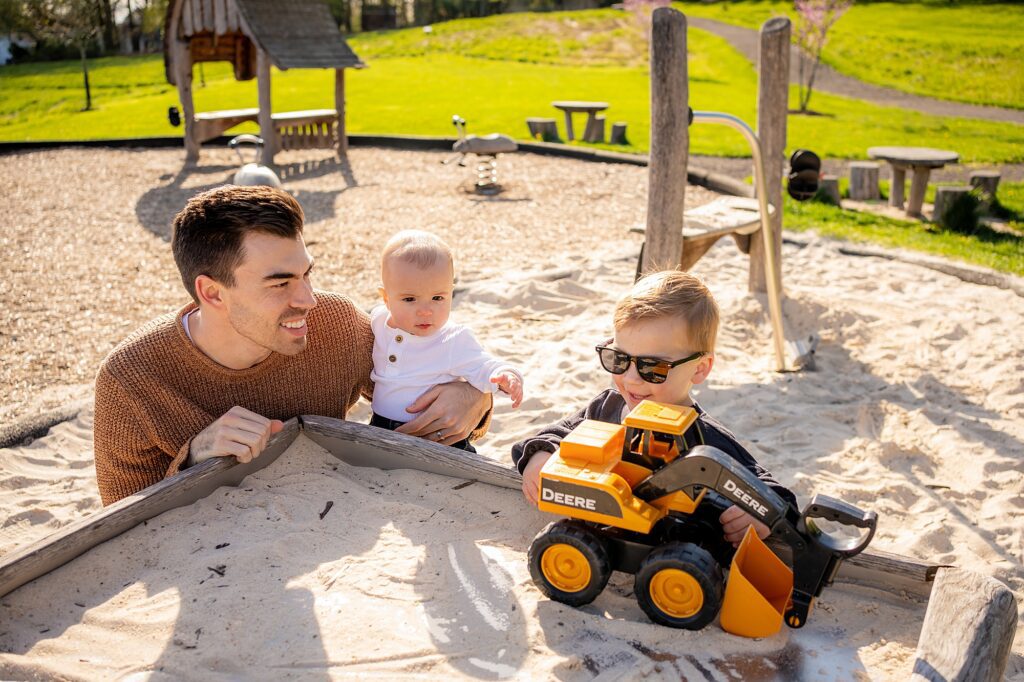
[(255, 347)]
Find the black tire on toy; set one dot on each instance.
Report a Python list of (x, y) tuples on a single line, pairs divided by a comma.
[(680, 585), (569, 562)]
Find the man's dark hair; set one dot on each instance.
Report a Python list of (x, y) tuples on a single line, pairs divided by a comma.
[(209, 231)]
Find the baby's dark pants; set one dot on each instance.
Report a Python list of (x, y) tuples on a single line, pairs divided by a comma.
[(392, 424)]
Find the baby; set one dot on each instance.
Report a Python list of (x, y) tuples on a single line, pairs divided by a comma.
[(414, 345)]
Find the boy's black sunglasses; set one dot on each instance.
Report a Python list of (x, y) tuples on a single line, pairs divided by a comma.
[(651, 370)]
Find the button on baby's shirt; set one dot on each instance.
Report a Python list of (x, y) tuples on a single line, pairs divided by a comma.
[(392, 358), (398, 339)]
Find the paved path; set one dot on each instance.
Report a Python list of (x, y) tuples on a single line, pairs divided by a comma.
[(828, 80)]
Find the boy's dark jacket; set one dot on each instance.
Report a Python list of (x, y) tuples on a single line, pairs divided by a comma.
[(607, 407)]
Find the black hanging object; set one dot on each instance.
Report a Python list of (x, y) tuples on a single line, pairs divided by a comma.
[(174, 116), (804, 174)]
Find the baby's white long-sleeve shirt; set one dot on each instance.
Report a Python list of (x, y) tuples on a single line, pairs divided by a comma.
[(405, 365)]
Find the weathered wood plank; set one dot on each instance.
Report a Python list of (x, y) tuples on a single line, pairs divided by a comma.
[(220, 17), (339, 105), (968, 629), (193, 484), (670, 141), (772, 113), (271, 142), (186, 18), (362, 445), (890, 572)]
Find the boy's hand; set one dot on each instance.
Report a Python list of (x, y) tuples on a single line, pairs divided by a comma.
[(510, 383), (734, 524), (531, 474)]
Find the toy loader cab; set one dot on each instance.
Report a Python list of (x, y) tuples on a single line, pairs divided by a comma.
[(642, 500)]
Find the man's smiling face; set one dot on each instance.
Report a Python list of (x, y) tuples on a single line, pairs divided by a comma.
[(272, 294)]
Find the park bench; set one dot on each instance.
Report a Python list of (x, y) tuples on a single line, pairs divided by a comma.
[(705, 225), (311, 129)]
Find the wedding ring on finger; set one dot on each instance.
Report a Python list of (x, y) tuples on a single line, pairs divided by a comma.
[(439, 435)]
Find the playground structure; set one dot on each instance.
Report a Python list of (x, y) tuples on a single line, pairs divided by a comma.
[(486, 148), (672, 241), (254, 35)]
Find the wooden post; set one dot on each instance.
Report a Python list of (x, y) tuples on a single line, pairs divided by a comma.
[(968, 629), (830, 189), (864, 180), (772, 109), (670, 141), (986, 182), (183, 67), (339, 104), (945, 197), (618, 135), (267, 132)]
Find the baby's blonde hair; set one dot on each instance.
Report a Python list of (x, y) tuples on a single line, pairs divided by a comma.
[(418, 248), (672, 293)]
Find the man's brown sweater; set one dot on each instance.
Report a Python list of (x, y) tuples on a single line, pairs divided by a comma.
[(156, 390)]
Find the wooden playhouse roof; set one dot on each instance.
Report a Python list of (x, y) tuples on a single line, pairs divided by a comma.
[(297, 34)]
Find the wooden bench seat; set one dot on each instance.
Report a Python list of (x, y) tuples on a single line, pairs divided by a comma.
[(705, 225), (309, 129)]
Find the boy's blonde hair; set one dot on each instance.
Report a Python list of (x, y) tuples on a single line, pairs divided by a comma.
[(418, 248), (672, 293)]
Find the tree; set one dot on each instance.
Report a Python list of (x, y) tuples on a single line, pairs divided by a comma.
[(814, 19), (71, 22), (642, 10)]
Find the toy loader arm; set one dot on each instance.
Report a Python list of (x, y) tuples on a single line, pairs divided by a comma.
[(708, 467), (816, 555)]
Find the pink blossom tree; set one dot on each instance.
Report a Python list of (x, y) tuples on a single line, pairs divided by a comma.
[(642, 11), (814, 19)]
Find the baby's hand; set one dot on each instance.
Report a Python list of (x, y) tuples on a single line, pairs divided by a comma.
[(734, 524), (509, 382)]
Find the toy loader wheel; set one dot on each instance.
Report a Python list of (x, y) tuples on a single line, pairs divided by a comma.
[(680, 585), (569, 563)]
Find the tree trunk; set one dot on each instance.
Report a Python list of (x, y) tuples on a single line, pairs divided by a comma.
[(85, 76)]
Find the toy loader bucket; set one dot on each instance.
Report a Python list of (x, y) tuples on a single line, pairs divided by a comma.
[(758, 590)]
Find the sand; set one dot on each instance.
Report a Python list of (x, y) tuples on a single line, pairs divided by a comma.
[(915, 411)]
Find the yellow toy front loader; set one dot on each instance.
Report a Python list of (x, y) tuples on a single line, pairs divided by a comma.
[(644, 501)]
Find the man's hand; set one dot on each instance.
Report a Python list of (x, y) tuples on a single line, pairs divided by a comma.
[(734, 524), (237, 433), (531, 474), (510, 383), (448, 413)]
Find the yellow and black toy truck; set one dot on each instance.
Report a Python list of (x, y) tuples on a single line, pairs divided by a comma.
[(642, 500)]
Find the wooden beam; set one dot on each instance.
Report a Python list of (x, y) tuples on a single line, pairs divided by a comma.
[(193, 484), (339, 105), (182, 59), (220, 17), (772, 110), (670, 141), (362, 445), (267, 131), (968, 629)]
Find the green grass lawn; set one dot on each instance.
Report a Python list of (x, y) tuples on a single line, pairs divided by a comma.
[(986, 247), (491, 71), (967, 53), (497, 71)]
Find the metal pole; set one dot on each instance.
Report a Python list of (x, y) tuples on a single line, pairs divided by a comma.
[(760, 186)]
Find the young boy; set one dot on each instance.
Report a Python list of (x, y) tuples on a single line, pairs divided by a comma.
[(414, 344), (664, 344)]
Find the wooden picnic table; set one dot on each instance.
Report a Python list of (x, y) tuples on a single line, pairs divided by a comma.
[(921, 161), (591, 109)]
